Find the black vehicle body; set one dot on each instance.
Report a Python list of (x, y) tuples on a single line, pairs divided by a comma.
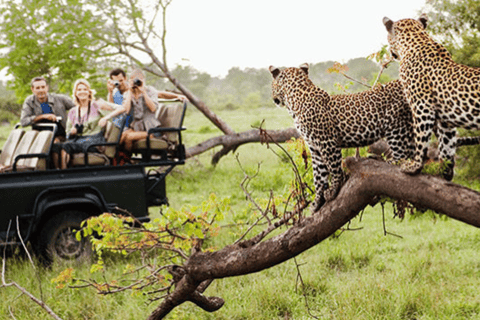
[(33, 204)]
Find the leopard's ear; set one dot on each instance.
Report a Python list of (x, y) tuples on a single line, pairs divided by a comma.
[(423, 20), (274, 71), (388, 24), (304, 67)]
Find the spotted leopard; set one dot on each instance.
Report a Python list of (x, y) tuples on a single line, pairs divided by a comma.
[(437, 89), (329, 123)]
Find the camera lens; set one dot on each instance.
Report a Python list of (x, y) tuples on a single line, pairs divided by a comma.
[(79, 128), (116, 83), (137, 82)]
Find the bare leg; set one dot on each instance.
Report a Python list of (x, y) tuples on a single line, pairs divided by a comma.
[(56, 160), (65, 159), (132, 136)]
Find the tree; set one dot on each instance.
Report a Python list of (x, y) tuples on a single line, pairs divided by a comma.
[(57, 40), (457, 24)]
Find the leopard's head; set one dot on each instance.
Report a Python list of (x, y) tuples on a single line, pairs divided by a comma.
[(403, 34), (287, 82)]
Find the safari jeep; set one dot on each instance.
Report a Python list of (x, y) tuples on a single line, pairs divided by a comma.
[(42, 205)]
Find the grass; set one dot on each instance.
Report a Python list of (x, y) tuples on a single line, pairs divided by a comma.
[(431, 272)]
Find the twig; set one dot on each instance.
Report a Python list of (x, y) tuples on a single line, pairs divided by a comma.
[(384, 66), (299, 277), (385, 232), (23, 244), (355, 80), (22, 289)]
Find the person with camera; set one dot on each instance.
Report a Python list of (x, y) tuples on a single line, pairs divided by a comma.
[(117, 85), (83, 124), (144, 102), (45, 107), (141, 102)]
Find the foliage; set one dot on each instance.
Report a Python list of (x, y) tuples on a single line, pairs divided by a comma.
[(457, 24), (161, 244), (435, 168), (467, 158), (9, 108), (57, 40)]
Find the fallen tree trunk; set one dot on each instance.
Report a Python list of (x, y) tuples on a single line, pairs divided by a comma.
[(230, 142), (368, 179)]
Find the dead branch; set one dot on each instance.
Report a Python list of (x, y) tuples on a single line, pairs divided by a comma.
[(231, 142), (24, 291), (369, 179)]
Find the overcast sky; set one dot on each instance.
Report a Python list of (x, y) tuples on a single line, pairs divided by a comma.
[(216, 35)]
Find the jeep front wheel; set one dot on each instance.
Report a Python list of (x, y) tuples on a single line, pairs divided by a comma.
[(57, 240)]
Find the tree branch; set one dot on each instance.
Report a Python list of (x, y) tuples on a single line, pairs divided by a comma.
[(231, 142), (368, 179)]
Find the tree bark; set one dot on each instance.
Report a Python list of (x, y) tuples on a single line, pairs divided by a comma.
[(233, 141), (368, 179)]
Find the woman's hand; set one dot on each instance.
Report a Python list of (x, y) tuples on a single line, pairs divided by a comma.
[(103, 122)]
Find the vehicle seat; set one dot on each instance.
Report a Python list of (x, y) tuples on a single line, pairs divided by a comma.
[(32, 152), (24, 146), (6, 155), (107, 151), (166, 137)]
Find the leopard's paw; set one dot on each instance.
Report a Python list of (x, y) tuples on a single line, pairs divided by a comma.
[(411, 167), (331, 193), (318, 203)]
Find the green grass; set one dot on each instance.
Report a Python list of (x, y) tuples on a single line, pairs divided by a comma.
[(432, 272)]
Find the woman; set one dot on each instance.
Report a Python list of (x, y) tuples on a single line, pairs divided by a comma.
[(83, 127), (144, 102)]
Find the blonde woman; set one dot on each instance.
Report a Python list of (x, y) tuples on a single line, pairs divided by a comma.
[(83, 127)]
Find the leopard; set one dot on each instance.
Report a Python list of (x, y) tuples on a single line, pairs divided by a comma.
[(439, 91), (329, 123)]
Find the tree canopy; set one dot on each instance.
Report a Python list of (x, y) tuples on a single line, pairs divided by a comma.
[(58, 40), (457, 23)]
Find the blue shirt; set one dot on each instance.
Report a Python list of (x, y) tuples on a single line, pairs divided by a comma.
[(118, 99)]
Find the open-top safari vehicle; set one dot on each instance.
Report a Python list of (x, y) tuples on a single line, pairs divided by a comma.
[(43, 205)]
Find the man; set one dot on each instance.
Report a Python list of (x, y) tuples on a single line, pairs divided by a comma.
[(42, 106), (117, 85)]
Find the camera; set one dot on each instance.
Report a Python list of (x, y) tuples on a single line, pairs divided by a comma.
[(79, 128), (116, 84), (137, 82)]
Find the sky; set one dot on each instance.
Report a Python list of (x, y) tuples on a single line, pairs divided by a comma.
[(215, 35)]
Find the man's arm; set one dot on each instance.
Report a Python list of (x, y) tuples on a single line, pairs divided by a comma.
[(114, 113), (171, 96), (28, 114), (67, 102)]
